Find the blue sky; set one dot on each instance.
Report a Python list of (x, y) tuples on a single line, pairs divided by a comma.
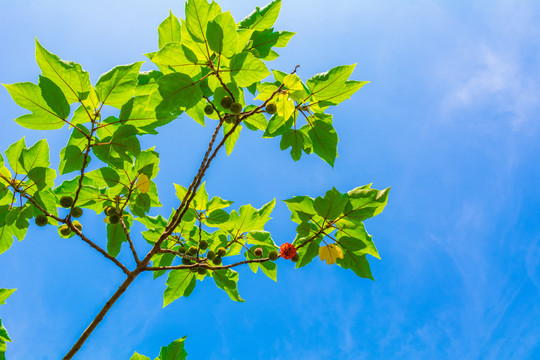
[(450, 121)]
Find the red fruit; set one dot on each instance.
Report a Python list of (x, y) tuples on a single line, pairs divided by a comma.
[(287, 251)]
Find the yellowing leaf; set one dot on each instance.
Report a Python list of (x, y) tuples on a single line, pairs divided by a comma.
[(330, 253), (143, 183)]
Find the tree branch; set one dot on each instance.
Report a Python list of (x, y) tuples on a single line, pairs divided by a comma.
[(205, 266)]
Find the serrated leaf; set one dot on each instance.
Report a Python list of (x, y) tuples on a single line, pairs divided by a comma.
[(117, 86), (169, 31)]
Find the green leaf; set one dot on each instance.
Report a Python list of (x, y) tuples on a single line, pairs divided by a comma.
[(324, 139), (117, 86), (263, 240), (357, 240), (72, 156), (217, 217), (116, 236), (332, 87), (256, 121), (230, 142), (4, 294), (217, 203), (357, 263), (4, 337), (246, 69), (68, 76), (179, 283), (308, 252), (174, 351), (263, 41), (137, 356), (227, 279), (145, 116), (48, 104), (248, 218), (198, 13), (295, 140), (176, 92), (221, 34), (40, 178), (147, 162), (176, 57), (22, 160), (13, 222), (201, 198), (120, 147), (365, 203), (109, 178), (264, 18), (301, 208), (332, 205), (169, 30)]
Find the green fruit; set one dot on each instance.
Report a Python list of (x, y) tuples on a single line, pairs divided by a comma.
[(226, 102), (186, 261), (182, 250), (41, 220), (66, 201), (258, 252), (78, 225), (295, 258), (211, 255), (217, 260), (201, 271), (203, 244), (271, 108), (76, 212), (208, 109), (236, 108), (221, 251), (273, 255), (65, 230), (110, 211), (192, 250), (114, 219)]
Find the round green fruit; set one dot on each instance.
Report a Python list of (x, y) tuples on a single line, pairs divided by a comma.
[(211, 255), (76, 212), (110, 211), (41, 220), (273, 255), (208, 109), (66, 201), (203, 244), (114, 219), (186, 261), (271, 108), (295, 258), (221, 251), (258, 252), (65, 230), (236, 108), (217, 260), (192, 250), (182, 250), (201, 271), (226, 102)]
